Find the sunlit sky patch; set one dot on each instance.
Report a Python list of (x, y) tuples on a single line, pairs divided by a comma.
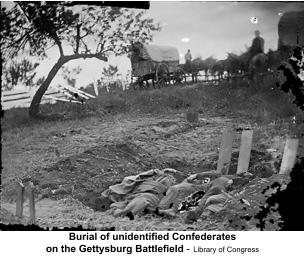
[(185, 40)]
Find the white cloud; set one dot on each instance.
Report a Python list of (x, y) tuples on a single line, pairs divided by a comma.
[(185, 40)]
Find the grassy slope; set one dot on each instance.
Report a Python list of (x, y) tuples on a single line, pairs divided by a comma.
[(259, 103), (31, 146)]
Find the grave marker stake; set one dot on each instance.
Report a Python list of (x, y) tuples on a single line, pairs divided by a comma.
[(32, 202), (289, 156), (245, 151), (225, 152), (20, 200)]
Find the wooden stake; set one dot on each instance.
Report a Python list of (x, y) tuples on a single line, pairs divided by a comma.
[(225, 152), (20, 200), (245, 151), (289, 156), (32, 202)]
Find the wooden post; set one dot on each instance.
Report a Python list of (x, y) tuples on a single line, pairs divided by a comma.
[(289, 156), (20, 200), (225, 152), (245, 151), (32, 202)]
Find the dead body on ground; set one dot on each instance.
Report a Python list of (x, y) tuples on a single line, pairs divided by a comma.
[(158, 192)]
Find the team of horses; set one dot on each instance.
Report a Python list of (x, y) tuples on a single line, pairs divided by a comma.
[(234, 66)]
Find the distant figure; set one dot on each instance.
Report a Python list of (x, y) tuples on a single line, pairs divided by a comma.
[(257, 46), (188, 56), (188, 61), (258, 59)]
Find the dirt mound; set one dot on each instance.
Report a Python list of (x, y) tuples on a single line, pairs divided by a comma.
[(262, 164), (246, 202), (84, 176)]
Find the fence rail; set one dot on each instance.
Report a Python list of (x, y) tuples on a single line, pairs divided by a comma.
[(23, 98)]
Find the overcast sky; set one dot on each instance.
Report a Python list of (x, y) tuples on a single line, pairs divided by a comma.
[(215, 28), (207, 28)]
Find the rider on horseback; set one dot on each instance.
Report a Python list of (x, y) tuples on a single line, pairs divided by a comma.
[(188, 56), (257, 60), (188, 61), (257, 44)]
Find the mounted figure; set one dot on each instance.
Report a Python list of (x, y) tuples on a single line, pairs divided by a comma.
[(258, 59), (190, 66)]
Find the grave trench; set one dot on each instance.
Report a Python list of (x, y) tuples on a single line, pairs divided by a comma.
[(86, 175)]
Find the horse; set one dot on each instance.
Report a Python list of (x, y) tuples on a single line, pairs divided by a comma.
[(218, 69), (258, 66), (192, 68), (258, 63), (232, 65)]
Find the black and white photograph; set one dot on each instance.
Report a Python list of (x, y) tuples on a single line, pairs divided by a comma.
[(152, 116)]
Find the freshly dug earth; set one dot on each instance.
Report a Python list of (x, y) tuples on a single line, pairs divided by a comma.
[(86, 175), (72, 162), (244, 204)]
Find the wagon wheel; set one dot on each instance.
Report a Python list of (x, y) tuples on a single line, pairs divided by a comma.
[(179, 75), (162, 75), (134, 82), (138, 84)]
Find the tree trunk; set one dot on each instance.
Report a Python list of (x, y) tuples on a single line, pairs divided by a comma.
[(34, 107)]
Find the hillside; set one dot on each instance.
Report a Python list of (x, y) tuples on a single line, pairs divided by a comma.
[(79, 151)]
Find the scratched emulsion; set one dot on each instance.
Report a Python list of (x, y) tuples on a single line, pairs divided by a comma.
[(290, 201), (293, 72)]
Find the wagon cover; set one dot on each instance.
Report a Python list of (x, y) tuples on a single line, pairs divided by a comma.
[(159, 53)]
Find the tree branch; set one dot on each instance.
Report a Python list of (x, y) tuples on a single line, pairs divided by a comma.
[(102, 45), (77, 37), (85, 55), (87, 33), (54, 36), (57, 41), (86, 47), (22, 37)]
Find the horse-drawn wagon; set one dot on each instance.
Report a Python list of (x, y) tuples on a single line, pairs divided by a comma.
[(160, 64)]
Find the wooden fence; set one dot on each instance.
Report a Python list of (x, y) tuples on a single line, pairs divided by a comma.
[(24, 98)]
